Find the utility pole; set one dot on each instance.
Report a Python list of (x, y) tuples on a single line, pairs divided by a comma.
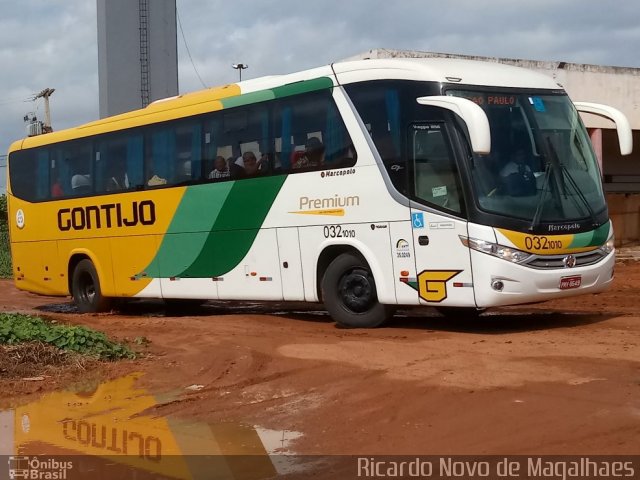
[(45, 94), (240, 67)]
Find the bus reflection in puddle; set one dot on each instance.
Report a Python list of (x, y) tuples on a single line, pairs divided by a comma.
[(108, 434)]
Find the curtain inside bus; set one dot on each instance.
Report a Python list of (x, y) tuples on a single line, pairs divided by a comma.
[(42, 175), (334, 137), (392, 102), (196, 151), (163, 144), (135, 160), (287, 148)]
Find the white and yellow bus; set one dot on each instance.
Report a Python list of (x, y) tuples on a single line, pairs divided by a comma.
[(363, 185)]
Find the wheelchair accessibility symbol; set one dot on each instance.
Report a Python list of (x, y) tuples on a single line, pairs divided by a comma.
[(417, 220)]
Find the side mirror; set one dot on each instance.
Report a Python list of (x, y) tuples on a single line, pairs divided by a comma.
[(472, 115), (625, 137)]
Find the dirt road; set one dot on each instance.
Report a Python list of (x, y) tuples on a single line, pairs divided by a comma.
[(555, 378)]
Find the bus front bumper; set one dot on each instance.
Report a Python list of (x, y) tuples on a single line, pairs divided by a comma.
[(522, 284)]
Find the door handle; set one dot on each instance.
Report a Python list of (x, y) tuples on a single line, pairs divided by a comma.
[(423, 240)]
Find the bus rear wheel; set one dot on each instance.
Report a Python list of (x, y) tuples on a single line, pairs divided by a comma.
[(85, 289), (349, 293)]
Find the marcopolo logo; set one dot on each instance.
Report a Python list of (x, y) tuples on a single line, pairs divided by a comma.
[(563, 228), (38, 468), (337, 173)]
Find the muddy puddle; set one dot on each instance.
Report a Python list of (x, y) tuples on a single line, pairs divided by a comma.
[(106, 431)]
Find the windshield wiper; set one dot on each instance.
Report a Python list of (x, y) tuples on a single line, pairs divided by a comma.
[(565, 171), (553, 162), (539, 207), (573, 183)]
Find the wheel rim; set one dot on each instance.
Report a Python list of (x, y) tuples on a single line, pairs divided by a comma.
[(86, 288), (356, 290)]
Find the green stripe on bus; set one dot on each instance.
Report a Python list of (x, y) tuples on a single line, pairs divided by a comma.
[(214, 227), (322, 83), (237, 226), (189, 229), (297, 88), (594, 238), (248, 98), (601, 235)]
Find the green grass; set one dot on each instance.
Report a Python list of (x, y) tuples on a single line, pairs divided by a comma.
[(17, 328), (5, 254)]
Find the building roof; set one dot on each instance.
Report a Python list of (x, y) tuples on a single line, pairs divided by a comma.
[(379, 53)]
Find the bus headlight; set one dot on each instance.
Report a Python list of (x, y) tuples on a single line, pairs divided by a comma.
[(500, 251), (608, 247)]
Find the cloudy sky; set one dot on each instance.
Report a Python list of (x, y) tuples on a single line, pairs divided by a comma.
[(52, 43)]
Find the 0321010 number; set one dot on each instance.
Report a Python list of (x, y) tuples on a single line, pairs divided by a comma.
[(542, 243), (336, 231)]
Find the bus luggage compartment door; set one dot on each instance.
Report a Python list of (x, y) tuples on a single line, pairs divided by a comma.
[(290, 264)]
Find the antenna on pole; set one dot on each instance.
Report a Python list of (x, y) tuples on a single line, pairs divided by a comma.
[(45, 94)]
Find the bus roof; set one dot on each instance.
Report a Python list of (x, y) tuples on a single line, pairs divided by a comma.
[(443, 70)]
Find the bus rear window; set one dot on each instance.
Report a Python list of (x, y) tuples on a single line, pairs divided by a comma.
[(29, 175)]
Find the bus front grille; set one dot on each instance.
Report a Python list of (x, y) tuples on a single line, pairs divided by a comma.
[(549, 262)]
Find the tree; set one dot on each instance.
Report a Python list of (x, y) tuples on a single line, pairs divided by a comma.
[(3, 211)]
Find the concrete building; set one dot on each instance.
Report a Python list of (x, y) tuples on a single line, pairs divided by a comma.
[(137, 53), (615, 86)]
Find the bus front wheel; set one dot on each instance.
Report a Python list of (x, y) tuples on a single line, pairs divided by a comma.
[(349, 293), (85, 289)]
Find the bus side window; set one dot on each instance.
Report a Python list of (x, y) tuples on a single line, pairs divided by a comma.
[(310, 134), (380, 108), (213, 149), (434, 170), (75, 162), (160, 156), (21, 171), (188, 153), (244, 135)]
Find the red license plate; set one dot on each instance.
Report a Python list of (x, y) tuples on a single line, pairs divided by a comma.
[(570, 282)]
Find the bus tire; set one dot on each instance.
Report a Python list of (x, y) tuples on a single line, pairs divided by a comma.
[(85, 289), (349, 293)]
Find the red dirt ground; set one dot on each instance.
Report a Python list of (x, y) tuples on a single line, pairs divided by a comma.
[(561, 377)]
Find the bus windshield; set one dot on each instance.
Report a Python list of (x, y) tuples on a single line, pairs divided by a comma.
[(541, 167)]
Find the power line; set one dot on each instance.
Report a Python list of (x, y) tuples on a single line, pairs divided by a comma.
[(7, 101), (187, 47)]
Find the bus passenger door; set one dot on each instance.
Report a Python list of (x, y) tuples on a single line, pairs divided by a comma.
[(290, 264), (443, 265), (257, 275)]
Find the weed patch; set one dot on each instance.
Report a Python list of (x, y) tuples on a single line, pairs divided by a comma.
[(18, 328), (5, 254), (37, 358)]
